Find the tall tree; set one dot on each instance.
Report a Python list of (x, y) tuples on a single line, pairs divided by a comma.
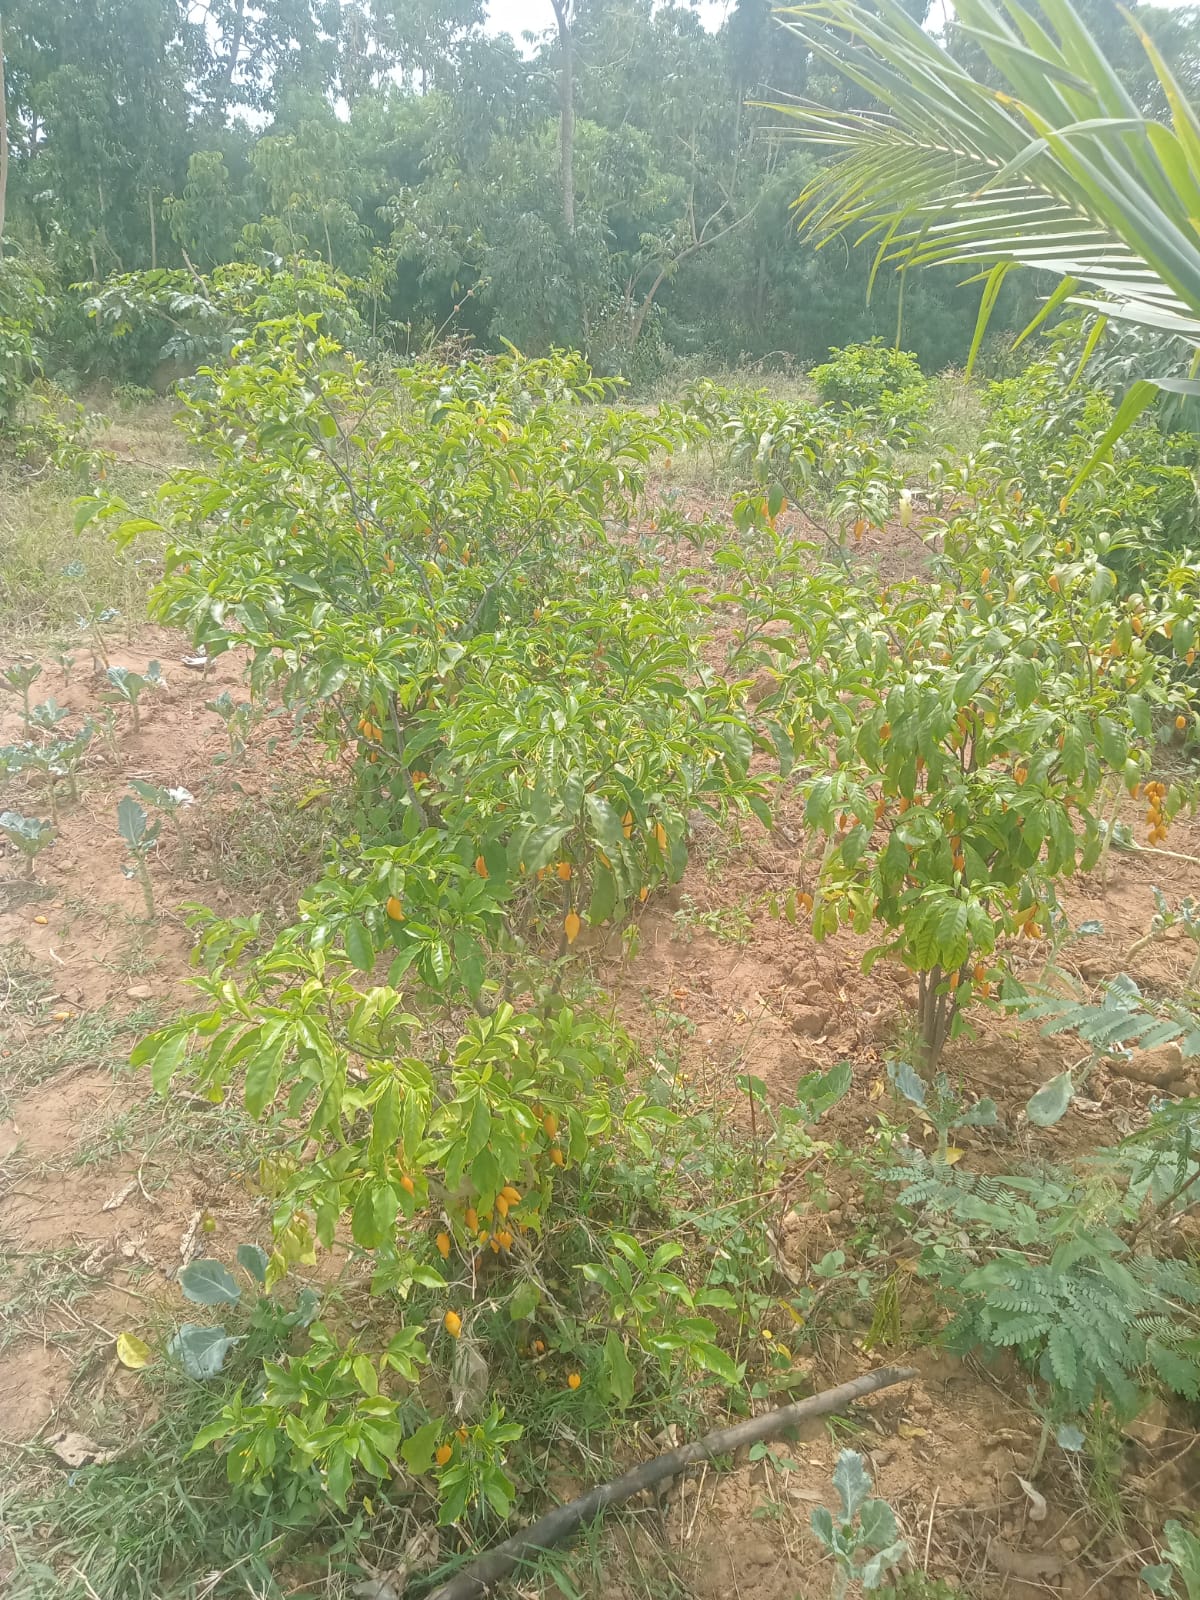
[(564, 16), (3, 139)]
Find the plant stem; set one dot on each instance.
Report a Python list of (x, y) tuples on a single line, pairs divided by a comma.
[(143, 872), (1106, 842)]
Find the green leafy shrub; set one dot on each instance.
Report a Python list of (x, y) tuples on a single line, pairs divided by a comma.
[(878, 381), (1044, 425), (839, 468), (138, 320), (959, 745), (1053, 1268), (23, 307), (860, 374), (436, 583)]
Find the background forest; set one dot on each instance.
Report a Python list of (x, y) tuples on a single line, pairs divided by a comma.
[(610, 184)]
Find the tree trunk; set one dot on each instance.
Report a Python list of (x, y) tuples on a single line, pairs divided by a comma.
[(153, 233), (225, 87), (3, 140), (566, 104)]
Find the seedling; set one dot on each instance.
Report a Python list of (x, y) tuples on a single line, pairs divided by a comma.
[(108, 727), (172, 803), (865, 1543), (66, 755), (20, 680), (31, 835), (941, 1107), (1185, 915), (237, 717), (14, 759), (1181, 1548), (127, 686), (140, 836), (47, 716), (54, 761), (63, 660), (92, 623), (201, 1350)]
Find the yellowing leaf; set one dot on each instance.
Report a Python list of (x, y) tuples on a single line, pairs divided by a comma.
[(572, 925), (907, 1430), (313, 795), (132, 1351), (953, 1154)]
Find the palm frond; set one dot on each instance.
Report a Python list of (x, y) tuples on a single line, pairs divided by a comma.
[(1057, 170)]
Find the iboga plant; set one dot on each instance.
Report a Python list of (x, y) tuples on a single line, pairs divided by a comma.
[(453, 1169), (963, 736)]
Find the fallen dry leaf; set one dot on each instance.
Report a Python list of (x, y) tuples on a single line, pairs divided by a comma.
[(119, 1196), (132, 1352), (1037, 1502), (77, 1450)]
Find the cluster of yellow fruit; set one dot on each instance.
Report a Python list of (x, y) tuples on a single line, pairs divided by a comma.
[(445, 1450), (564, 872), (1156, 793)]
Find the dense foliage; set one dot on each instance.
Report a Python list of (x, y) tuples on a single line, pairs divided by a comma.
[(419, 158), (448, 576)]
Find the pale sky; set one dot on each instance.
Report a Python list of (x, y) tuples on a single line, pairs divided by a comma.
[(537, 16)]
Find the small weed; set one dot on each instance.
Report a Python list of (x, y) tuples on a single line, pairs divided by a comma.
[(727, 924), (37, 1047), (919, 1586), (39, 1284), (111, 1142), (271, 842)]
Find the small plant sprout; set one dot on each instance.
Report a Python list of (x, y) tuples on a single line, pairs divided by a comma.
[(171, 803), (93, 623), (940, 1106), (140, 836), (31, 835), (47, 716), (865, 1542), (20, 679), (127, 687), (238, 717), (1181, 1548), (63, 660), (1185, 915), (56, 762), (66, 757)]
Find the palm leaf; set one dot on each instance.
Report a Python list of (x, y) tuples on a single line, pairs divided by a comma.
[(1055, 170)]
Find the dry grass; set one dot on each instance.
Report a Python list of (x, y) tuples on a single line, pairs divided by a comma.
[(49, 574)]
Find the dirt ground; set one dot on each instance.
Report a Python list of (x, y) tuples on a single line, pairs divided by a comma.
[(102, 1197)]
